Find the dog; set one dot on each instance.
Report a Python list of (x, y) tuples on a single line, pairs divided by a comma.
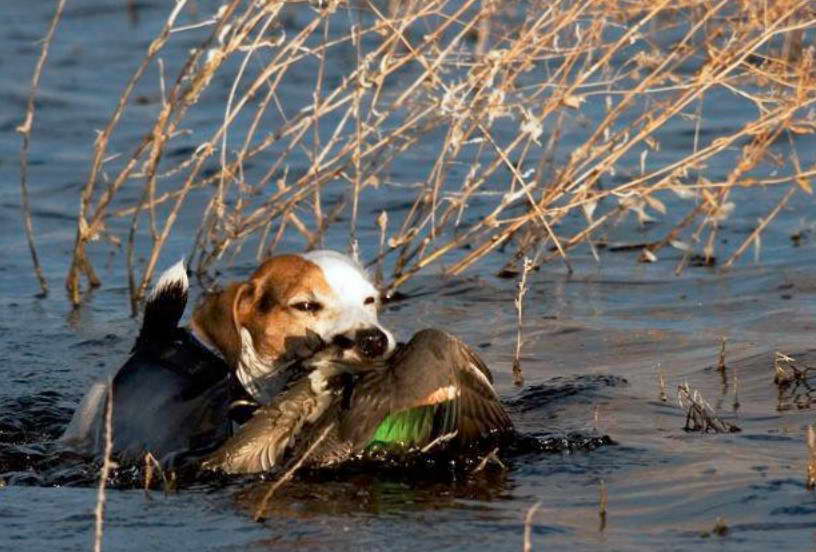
[(176, 395)]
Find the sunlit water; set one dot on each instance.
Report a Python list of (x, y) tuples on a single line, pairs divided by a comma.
[(595, 344)]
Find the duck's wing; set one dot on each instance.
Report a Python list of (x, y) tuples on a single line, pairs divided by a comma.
[(434, 387), (261, 443)]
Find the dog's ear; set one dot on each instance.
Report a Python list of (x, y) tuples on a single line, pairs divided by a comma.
[(221, 314), (242, 299)]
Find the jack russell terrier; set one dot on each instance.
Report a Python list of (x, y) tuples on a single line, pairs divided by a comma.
[(175, 396)]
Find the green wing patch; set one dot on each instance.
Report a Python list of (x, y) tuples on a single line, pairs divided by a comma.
[(415, 427)]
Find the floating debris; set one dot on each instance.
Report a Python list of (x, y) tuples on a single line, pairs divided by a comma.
[(801, 236), (786, 371), (720, 529), (699, 414)]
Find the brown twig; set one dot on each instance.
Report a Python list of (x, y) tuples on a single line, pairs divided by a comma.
[(518, 375), (107, 465), (810, 481), (662, 395), (258, 516), (699, 414), (419, 82), (25, 131), (721, 362)]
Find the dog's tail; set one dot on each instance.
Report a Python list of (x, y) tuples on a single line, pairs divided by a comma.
[(165, 306)]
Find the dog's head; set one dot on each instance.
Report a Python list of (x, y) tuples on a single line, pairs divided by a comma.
[(291, 307)]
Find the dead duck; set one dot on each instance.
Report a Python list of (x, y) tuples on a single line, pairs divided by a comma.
[(434, 391)]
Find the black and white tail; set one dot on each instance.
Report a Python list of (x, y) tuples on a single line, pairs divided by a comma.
[(165, 306)]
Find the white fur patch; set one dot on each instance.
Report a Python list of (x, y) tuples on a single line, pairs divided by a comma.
[(345, 276), (260, 376), (176, 275), (351, 287)]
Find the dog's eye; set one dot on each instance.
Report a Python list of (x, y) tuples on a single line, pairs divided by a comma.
[(307, 306), (369, 301)]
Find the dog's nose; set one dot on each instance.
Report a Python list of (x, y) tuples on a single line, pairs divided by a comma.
[(372, 342)]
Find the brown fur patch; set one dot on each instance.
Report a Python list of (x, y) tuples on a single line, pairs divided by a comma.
[(261, 306)]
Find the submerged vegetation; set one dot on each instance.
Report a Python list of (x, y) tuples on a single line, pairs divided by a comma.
[(548, 116)]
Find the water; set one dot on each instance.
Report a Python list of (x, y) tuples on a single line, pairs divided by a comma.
[(596, 342)]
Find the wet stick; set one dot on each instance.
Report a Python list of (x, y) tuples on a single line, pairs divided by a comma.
[(661, 381), (699, 414), (603, 500), (721, 361), (25, 131), (104, 472), (518, 376), (382, 224), (810, 481), (151, 465), (148, 474), (492, 456), (528, 527), (786, 371)]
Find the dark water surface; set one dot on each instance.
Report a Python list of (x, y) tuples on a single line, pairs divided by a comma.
[(596, 342)]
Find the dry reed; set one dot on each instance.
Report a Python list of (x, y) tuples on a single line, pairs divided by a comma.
[(492, 456), (107, 465), (25, 131), (505, 113), (700, 416), (527, 266), (528, 527), (786, 371), (810, 439), (721, 361), (662, 395)]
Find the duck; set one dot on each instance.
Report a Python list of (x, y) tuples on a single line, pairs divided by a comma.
[(433, 393)]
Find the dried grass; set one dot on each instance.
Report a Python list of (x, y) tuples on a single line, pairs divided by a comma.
[(107, 465), (786, 371), (518, 374), (25, 131), (792, 379), (502, 92), (810, 439)]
